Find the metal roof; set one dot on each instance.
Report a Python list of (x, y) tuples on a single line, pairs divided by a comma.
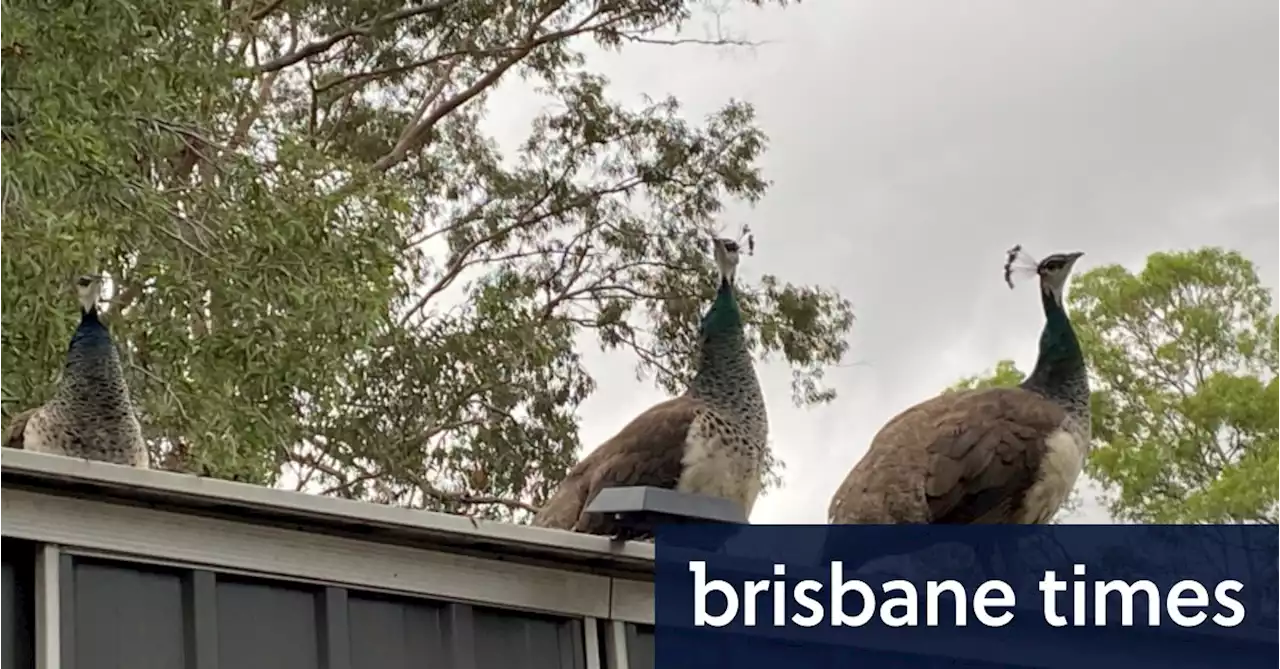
[(296, 510)]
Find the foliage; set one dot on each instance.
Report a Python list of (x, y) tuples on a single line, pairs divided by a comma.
[(1007, 375), (1004, 375), (1182, 357), (322, 263), (1186, 352)]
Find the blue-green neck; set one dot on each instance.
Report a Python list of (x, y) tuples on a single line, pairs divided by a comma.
[(723, 360), (723, 317), (92, 366), (1060, 369), (91, 333)]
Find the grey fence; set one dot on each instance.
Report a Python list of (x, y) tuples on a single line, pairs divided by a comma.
[(109, 567)]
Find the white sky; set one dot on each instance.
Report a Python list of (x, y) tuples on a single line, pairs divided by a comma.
[(913, 142)]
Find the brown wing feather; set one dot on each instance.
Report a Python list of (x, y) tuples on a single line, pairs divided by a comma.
[(965, 457), (993, 442), (647, 451), (878, 490), (14, 430)]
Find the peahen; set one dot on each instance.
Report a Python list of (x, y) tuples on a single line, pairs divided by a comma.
[(91, 414), (985, 456), (711, 440)]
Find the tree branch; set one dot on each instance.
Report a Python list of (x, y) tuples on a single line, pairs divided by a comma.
[(417, 133), (344, 488), (320, 46), (461, 259), (472, 500), (241, 133), (266, 10)]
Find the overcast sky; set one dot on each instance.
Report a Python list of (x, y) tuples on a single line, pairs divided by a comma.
[(913, 142)]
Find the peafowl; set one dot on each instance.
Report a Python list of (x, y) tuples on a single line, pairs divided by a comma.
[(992, 455), (14, 429), (91, 415), (710, 441)]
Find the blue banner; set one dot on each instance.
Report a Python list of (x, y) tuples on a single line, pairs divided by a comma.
[(912, 596)]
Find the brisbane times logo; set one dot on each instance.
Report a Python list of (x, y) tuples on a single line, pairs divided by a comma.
[(1075, 601)]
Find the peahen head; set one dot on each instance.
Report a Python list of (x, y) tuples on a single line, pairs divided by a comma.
[(727, 253), (724, 315), (89, 289), (1053, 270)]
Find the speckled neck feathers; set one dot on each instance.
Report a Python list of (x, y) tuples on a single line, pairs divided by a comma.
[(726, 376), (1060, 373)]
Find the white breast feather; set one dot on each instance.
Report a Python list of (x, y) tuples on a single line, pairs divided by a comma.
[(141, 458), (35, 435), (714, 469), (1063, 460)]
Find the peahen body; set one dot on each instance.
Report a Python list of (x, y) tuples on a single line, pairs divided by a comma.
[(994, 455), (711, 440), (91, 414)]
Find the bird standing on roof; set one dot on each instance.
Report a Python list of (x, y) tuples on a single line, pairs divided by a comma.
[(91, 415), (994, 455), (710, 441)]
